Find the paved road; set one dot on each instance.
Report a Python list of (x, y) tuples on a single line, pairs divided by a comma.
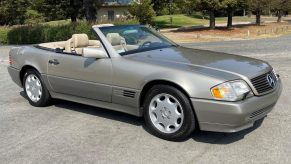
[(73, 133)]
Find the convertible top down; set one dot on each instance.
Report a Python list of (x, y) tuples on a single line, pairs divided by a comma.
[(136, 70)]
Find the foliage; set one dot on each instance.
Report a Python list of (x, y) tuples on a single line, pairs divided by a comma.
[(168, 7), (90, 9), (3, 35), (143, 11), (40, 33), (211, 6), (56, 10), (230, 5), (33, 17), (281, 6), (187, 6), (258, 6), (17, 11), (12, 11)]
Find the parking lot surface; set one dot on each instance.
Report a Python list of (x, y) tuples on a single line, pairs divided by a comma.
[(72, 133)]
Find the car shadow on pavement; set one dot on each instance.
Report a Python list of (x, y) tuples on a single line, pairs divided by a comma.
[(197, 136), (224, 138), (95, 111), (100, 112)]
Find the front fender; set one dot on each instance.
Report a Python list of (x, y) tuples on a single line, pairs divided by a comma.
[(195, 85)]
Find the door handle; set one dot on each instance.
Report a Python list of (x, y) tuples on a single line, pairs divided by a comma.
[(54, 62)]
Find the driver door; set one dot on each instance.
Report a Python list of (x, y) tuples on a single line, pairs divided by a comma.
[(79, 76)]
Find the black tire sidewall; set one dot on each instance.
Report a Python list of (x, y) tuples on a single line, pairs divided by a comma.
[(45, 97), (188, 125)]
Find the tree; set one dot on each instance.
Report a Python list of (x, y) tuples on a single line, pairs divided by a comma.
[(143, 11), (90, 8), (211, 6), (257, 6), (170, 7), (12, 12), (74, 9), (53, 9), (58, 9), (281, 6), (33, 17), (186, 6), (230, 5), (158, 6)]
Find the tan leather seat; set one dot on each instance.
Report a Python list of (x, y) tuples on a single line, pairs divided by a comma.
[(94, 43), (79, 41), (76, 44), (68, 46), (118, 42)]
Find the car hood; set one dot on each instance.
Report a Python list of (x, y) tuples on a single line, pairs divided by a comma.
[(206, 61)]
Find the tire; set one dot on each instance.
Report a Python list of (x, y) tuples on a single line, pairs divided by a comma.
[(170, 117), (35, 89)]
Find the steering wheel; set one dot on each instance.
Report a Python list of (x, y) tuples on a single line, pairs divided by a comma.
[(146, 44)]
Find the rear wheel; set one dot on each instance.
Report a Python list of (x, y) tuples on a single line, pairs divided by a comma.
[(35, 90), (168, 113)]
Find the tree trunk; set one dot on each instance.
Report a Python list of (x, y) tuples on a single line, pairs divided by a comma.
[(73, 18), (90, 11), (229, 17), (73, 10), (212, 19), (258, 17), (280, 14)]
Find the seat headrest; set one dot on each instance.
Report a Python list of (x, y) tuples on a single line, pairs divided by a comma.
[(80, 40), (115, 39)]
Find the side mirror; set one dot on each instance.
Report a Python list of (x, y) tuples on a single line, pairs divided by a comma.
[(94, 53)]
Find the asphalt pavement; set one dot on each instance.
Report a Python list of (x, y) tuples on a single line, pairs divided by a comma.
[(68, 132)]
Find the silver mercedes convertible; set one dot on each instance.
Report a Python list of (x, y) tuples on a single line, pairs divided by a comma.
[(136, 70)]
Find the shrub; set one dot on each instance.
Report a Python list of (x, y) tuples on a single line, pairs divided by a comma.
[(32, 34), (143, 11), (3, 35), (40, 33), (33, 17)]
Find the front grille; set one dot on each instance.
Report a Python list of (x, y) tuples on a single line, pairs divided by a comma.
[(262, 84)]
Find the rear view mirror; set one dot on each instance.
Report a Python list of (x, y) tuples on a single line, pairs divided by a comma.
[(94, 53)]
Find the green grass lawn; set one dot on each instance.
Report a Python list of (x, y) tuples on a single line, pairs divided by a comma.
[(58, 22), (178, 21), (235, 19)]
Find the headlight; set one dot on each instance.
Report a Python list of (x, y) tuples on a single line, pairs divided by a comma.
[(276, 75), (230, 91)]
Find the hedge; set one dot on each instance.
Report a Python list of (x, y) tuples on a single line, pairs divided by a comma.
[(3, 35), (32, 34), (41, 33)]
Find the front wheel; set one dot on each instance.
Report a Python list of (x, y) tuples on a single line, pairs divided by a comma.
[(35, 90), (168, 113)]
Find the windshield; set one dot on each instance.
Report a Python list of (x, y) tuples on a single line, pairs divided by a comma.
[(134, 38)]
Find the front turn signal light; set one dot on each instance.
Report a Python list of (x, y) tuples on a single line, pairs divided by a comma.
[(230, 91)]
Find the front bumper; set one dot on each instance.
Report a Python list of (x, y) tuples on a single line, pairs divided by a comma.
[(220, 116)]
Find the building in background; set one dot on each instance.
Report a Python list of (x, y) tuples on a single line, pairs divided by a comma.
[(112, 10)]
